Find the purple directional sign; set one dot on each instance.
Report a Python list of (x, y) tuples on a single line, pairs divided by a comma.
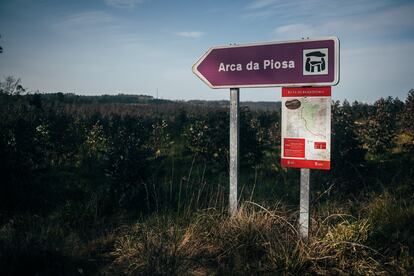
[(310, 62)]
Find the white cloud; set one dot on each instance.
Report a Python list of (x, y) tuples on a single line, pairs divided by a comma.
[(301, 30), (388, 22), (191, 34), (376, 71), (311, 9), (123, 3), (258, 4), (85, 19)]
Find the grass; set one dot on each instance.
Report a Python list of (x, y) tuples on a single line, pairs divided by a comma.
[(257, 240), (368, 235), (391, 218)]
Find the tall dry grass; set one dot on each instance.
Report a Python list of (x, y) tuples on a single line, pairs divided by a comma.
[(257, 240)]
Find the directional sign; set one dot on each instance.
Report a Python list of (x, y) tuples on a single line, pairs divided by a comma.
[(311, 62)]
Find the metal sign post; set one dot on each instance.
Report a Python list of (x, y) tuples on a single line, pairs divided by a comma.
[(234, 149), (304, 203)]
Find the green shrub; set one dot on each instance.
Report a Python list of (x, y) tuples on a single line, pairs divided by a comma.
[(392, 228)]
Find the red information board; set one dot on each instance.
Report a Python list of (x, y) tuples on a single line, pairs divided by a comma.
[(306, 127)]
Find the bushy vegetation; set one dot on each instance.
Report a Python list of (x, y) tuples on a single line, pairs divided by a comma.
[(256, 241), (133, 185)]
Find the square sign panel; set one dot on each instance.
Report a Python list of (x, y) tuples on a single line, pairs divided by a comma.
[(306, 127), (315, 61)]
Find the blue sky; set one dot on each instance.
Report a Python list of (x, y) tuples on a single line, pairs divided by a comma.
[(141, 46)]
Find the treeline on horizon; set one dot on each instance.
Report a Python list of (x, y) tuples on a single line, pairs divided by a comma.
[(144, 100), (87, 164), (72, 98)]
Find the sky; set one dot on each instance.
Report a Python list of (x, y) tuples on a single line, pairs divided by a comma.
[(149, 46)]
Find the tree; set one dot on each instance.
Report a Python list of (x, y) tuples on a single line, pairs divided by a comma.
[(360, 111), (252, 139), (11, 86), (407, 121), (346, 148), (160, 138), (208, 137), (128, 155), (381, 127), (408, 115)]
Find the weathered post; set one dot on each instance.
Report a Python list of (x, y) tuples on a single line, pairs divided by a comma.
[(234, 149), (304, 203)]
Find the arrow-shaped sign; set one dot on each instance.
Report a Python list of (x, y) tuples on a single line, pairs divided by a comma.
[(292, 63)]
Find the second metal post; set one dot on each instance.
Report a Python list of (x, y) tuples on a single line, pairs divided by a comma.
[(304, 203), (234, 149)]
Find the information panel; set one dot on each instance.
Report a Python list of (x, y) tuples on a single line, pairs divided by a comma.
[(306, 127)]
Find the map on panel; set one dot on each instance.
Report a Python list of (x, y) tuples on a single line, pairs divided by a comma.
[(309, 121), (306, 127)]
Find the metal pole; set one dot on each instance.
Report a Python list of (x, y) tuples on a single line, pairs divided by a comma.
[(234, 149), (304, 203)]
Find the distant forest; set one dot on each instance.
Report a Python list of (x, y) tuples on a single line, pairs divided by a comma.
[(70, 98), (114, 145), (86, 164)]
